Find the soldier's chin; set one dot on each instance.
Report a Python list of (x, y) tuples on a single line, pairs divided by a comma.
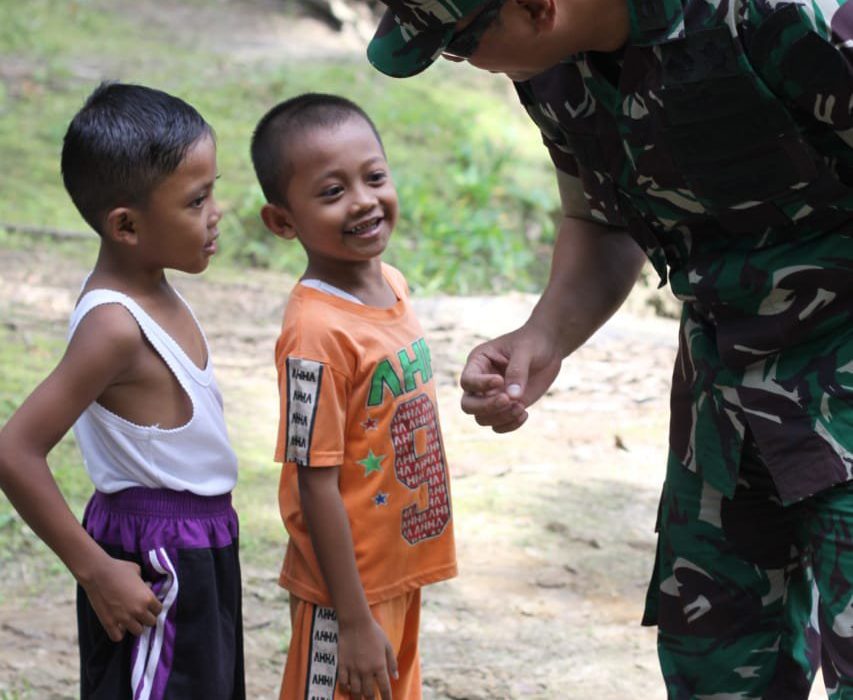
[(521, 75)]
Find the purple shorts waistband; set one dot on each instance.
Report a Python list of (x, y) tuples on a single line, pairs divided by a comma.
[(163, 503), (139, 519)]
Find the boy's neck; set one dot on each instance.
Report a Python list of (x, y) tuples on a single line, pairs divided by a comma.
[(364, 280), (117, 272)]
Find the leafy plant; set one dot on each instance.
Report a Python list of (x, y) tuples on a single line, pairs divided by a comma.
[(476, 189), (467, 223)]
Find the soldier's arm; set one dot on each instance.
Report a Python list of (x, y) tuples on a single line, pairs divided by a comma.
[(593, 267)]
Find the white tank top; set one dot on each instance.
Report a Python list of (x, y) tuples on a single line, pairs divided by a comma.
[(118, 454)]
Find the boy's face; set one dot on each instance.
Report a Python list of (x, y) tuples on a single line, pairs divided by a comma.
[(342, 204), (177, 227)]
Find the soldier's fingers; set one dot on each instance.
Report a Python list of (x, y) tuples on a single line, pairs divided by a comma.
[(479, 382), (147, 618), (513, 423), (391, 661), (484, 405), (509, 414), (155, 606), (115, 632)]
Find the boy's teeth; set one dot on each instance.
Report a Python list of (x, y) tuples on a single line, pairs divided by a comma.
[(363, 227)]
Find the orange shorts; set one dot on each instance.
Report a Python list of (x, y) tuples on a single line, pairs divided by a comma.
[(311, 667)]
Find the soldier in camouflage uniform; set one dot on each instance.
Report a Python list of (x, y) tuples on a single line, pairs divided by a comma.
[(715, 137)]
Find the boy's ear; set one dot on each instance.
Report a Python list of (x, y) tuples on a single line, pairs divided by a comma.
[(119, 226), (278, 220)]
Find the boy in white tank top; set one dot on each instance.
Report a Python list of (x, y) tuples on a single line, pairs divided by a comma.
[(156, 559)]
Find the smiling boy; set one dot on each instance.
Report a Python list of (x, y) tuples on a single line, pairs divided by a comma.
[(364, 490)]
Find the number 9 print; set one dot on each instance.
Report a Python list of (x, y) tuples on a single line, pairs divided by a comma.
[(420, 461)]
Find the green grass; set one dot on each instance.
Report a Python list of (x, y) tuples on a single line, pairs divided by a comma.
[(26, 357), (22, 693), (476, 189)]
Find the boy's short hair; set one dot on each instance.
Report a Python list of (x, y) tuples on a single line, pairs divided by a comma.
[(285, 123), (122, 143)]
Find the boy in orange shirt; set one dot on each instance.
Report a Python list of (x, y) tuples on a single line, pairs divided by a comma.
[(364, 490)]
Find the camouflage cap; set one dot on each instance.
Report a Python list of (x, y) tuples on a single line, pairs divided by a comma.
[(413, 33)]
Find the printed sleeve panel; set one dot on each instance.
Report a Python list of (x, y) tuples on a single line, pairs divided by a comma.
[(313, 411)]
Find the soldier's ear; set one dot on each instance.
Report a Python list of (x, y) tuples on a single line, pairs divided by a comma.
[(278, 220), (541, 13)]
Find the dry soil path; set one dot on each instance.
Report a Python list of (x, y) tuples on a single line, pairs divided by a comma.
[(554, 523)]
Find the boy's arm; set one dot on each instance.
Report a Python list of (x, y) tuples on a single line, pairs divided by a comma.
[(365, 657), (99, 355)]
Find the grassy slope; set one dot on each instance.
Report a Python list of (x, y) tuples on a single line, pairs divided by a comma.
[(52, 54), (474, 182)]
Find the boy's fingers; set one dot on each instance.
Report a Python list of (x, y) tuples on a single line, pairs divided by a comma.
[(391, 660), (155, 607), (116, 632), (355, 686), (134, 627), (384, 686), (148, 619), (343, 680)]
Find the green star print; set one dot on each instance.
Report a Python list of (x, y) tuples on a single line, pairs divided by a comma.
[(372, 463)]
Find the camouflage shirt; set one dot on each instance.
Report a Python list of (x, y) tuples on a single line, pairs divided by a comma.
[(721, 138)]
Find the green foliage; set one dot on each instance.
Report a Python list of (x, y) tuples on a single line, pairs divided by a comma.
[(15, 693), (475, 213), (476, 190), (26, 357), (471, 229)]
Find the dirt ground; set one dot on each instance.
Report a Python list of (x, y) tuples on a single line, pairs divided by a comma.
[(554, 523)]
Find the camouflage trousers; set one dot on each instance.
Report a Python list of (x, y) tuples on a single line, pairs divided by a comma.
[(751, 597)]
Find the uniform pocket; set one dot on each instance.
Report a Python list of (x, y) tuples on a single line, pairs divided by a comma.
[(735, 144)]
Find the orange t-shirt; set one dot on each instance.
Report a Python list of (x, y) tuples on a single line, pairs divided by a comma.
[(357, 390)]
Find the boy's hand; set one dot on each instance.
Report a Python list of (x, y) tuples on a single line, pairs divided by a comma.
[(122, 601), (365, 661)]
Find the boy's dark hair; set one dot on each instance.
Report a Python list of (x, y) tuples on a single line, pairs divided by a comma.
[(285, 123), (122, 143)]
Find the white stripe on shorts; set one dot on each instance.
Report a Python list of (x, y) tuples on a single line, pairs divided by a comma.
[(151, 640)]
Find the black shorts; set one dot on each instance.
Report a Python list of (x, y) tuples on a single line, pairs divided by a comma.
[(187, 548)]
